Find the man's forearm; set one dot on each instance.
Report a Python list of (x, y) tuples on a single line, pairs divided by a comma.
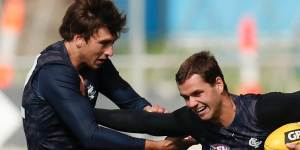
[(152, 145), (139, 121)]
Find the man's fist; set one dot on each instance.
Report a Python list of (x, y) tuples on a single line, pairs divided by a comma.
[(155, 108)]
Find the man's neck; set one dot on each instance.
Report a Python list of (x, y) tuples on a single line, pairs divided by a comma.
[(73, 54), (227, 112)]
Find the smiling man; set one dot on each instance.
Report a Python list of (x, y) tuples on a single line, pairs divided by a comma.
[(216, 118), (58, 103)]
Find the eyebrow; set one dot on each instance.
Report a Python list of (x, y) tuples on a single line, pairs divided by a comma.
[(107, 40), (193, 93)]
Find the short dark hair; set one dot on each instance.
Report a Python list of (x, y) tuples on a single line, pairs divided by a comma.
[(203, 64), (85, 17)]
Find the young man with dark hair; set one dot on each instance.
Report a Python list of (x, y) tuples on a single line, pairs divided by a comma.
[(213, 116), (61, 90)]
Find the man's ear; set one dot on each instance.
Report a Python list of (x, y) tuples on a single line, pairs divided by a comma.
[(219, 84), (79, 41)]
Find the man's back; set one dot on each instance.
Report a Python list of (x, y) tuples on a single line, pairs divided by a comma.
[(43, 128)]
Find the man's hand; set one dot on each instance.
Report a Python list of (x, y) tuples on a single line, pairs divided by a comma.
[(170, 143), (167, 144), (155, 108), (293, 146), (160, 145), (182, 143)]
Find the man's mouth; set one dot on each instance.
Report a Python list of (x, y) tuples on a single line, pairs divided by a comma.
[(100, 61), (200, 109)]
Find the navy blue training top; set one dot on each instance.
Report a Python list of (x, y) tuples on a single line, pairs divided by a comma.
[(58, 116), (256, 117)]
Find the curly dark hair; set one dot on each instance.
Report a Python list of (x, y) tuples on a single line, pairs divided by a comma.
[(85, 17)]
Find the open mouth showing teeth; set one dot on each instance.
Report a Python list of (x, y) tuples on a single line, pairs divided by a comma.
[(200, 109)]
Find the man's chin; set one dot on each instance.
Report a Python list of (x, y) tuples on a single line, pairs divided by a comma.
[(204, 116), (96, 66)]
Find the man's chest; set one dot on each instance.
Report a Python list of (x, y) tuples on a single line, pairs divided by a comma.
[(88, 89), (227, 139)]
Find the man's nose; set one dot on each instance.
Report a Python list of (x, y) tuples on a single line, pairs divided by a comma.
[(109, 51), (191, 102)]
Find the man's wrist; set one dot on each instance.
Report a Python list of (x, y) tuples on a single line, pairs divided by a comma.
[(151, 145)]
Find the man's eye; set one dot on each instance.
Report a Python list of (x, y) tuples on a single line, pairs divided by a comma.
[(106, 44), (186, 98), (198, 94)]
